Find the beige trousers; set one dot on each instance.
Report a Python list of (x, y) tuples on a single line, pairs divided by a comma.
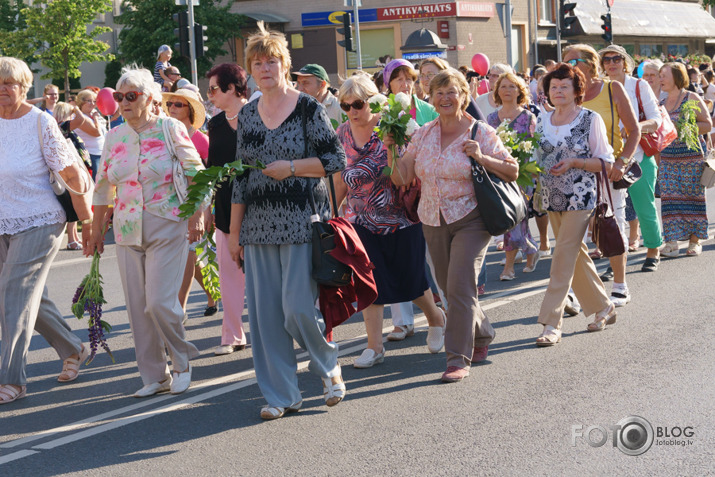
[(457, 251), (151, 276), (571, 267)]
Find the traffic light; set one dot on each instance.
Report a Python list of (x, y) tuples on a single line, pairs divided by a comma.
[(347, 32), (607, 29), (182, 33), (200, 38), (566, 17)]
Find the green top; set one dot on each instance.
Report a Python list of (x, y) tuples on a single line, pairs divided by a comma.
[(425, 111)]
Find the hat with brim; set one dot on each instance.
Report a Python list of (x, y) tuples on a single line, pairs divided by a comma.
[(313, 70), (630, 63), (193, 100)]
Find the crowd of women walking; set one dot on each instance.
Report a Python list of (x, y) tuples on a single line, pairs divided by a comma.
[(588, 115)]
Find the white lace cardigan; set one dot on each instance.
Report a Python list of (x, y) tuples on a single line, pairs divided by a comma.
[(26, 197)]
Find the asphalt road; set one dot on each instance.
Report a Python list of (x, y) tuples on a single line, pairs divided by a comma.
[(524, 410)]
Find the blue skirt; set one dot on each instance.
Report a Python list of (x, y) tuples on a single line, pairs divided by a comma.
[(399, 260)]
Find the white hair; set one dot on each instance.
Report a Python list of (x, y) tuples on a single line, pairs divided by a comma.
[(155, 91), (502, 68), (139, 78)]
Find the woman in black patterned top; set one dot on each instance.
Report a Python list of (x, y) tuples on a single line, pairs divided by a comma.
[(270, 225), (573, 142)]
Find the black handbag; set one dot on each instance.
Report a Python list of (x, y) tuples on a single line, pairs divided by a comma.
[(327, 270), (501, 204)]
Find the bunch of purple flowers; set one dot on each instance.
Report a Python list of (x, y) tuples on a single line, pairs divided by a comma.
[(89, 297)]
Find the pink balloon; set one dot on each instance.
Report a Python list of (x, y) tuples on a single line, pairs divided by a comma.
[(105, 102), (480, 63), (483, 87)]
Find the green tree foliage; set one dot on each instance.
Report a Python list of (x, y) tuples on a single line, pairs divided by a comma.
[(12, 21), (148, 24), (61, 36)]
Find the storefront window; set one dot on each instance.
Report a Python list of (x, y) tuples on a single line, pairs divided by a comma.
[(651, 50), (546, 11), (373, 45), (678, 50), (630, 49)]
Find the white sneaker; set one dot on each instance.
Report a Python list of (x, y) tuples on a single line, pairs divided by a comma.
[(181, 382), (369, 358), (518, 259), (620, 298), (154, 388)]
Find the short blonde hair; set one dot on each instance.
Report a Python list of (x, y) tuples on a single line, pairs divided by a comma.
[(522, 99), (451, 77), (680, 74), (86, 94), (588, 54), (17, 71), (359, 86), (63, 111), (269, 44), (439, 63)]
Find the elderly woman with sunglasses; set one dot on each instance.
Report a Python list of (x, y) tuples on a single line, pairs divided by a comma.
[(393, 241), (438, 155), (151, 237), (32, 222)]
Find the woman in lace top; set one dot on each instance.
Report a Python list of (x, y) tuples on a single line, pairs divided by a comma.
[(32, 224), (573, 147), (270, 225), (439, 155)]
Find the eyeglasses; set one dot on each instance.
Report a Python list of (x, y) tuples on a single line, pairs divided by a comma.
[(614, 59), (176, 104), (130, 95), (212, 90), (576, 61), (357, 104)]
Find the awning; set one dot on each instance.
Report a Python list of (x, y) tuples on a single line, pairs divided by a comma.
[(267, 17), (647, 18)]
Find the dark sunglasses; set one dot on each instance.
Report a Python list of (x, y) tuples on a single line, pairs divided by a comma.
[(576, 61), (357, 104), (131, 96), (176, 104), (614, 59)]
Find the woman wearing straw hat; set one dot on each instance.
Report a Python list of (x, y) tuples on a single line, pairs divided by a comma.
[(618, 65), (186, 106)]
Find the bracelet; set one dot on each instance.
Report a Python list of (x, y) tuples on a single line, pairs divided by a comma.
[(87, 222)]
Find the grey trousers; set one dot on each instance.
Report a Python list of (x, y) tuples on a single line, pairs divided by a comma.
[(151, 277), (458, 250), (281, 295), (25, 260)]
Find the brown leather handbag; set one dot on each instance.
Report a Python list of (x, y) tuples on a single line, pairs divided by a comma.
[(606, 232)]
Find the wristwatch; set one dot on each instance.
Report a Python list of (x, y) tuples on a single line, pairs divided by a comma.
[(292, 168), (625, 160)]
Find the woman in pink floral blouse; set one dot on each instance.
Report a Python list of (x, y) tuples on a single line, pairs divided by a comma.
[(457, 238), (135, 175)]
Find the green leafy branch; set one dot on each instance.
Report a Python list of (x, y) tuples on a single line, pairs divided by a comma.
[(207, 180), (687, 125), (206, 255)]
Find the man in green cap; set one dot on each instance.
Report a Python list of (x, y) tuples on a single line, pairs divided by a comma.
[(313, 80)]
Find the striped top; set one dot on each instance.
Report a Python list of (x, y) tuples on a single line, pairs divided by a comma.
[(372, 198)]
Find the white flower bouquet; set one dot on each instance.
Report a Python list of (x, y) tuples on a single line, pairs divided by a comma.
[(395, 120)]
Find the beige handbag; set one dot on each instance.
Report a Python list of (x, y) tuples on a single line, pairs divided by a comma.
[(707, 179)]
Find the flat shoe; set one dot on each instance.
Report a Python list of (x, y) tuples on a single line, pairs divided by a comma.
[(154, 388), (607, 276), (435, 336), (507, 277), (8, 393), (544, 253), (74, 246), (270, 413), (404, 332), (634, 246), (650, 264), (454, 374), (210, 310), (670, 250), (70, 366), (596, 255), (228, 349), (181, 381), (480, 354), (369, 358), (549, 337), (529, 269)]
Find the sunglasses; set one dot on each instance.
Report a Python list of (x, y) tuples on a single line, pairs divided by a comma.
[(614, 59), (576, 61), (357, 104), (131, 96), (212, 90), (176, 104)]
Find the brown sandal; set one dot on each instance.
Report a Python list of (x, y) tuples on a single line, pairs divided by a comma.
[(70, 367)]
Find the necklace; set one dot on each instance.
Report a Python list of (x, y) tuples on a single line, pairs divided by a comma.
[(141, 128), (569, 119), (231, 118)]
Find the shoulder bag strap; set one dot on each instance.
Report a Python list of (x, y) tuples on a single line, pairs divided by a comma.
[(613, 119), (303, 120), (641, 111), (56, 175)]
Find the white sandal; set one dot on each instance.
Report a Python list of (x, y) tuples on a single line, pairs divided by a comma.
[(8, 393), (404, 332), (270, 413), (333, 392), (70, 366)]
